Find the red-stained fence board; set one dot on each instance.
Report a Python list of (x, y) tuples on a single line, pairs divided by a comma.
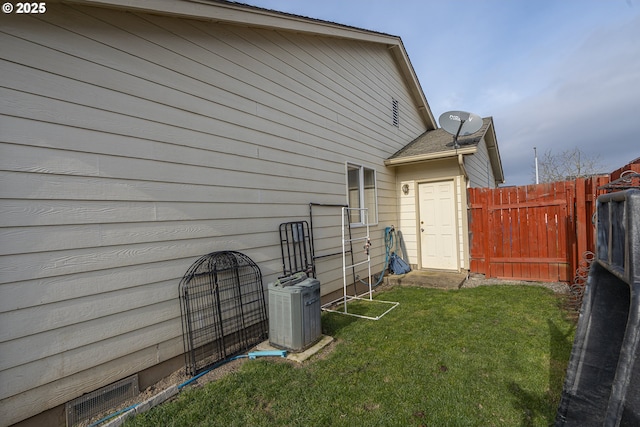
[(537, 232), (516, 232)]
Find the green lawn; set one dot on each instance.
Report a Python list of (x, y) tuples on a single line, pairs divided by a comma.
[(487, 356)]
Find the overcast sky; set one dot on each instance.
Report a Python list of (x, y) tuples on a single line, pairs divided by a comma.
[(554, 74)]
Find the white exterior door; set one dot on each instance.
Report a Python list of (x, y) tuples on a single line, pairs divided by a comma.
[(438, 225)]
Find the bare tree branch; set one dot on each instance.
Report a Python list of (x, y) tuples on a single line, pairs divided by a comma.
[(567, 165)]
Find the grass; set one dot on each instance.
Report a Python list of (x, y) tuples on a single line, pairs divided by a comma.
[(487, 356)]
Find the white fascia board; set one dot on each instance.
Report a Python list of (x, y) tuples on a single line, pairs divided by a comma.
[(245, 15), (431, 156)]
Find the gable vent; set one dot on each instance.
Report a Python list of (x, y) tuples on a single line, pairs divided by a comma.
[(395, 112)]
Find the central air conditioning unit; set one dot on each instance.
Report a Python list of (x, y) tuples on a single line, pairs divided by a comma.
[(294, 312)]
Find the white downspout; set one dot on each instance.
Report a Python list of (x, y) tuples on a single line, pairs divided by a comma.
[(466, 251), (462, 168)]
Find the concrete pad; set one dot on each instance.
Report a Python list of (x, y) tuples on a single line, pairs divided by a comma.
[(299, 356), (428, 279)]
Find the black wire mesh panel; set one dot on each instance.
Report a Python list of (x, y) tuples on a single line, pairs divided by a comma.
[(223, 309), (295, 244)]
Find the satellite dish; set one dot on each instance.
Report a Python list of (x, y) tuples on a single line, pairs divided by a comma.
[(460, 123)]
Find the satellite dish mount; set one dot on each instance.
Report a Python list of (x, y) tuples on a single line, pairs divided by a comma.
[(459, 123), (455, 137)]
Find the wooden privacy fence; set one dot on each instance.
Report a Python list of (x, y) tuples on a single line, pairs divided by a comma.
[(535, 232)]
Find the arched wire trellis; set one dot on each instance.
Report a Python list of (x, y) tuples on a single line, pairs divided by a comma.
[(223, 309)]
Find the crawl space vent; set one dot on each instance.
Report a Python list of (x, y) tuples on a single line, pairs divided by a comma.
[(91, 404)]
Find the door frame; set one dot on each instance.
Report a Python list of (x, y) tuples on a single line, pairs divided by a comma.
[(456, 200)]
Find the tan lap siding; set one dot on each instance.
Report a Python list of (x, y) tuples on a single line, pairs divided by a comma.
[(131, 144)]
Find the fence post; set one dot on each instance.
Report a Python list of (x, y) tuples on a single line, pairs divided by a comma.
[(486, 228), (581, 222)]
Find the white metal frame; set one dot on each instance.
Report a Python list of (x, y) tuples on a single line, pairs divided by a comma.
[(349, 240)]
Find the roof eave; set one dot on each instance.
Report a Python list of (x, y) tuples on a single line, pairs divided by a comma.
[(251, 16), (494, 154), (243, 14), (420, 100), (431, 156)]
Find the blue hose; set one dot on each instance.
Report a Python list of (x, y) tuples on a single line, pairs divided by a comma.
[(115, 414), (389, 237), (206, 371), (252, 355)]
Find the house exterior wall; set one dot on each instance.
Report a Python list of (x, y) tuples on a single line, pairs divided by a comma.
[(134, 143), (408, 205), (479, 169)]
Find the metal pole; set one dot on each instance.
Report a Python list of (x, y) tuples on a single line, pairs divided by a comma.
[(345, 211), (535, 152), (366, 215)]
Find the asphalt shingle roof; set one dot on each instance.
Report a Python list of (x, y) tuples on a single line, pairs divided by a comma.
[(439, 140)]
